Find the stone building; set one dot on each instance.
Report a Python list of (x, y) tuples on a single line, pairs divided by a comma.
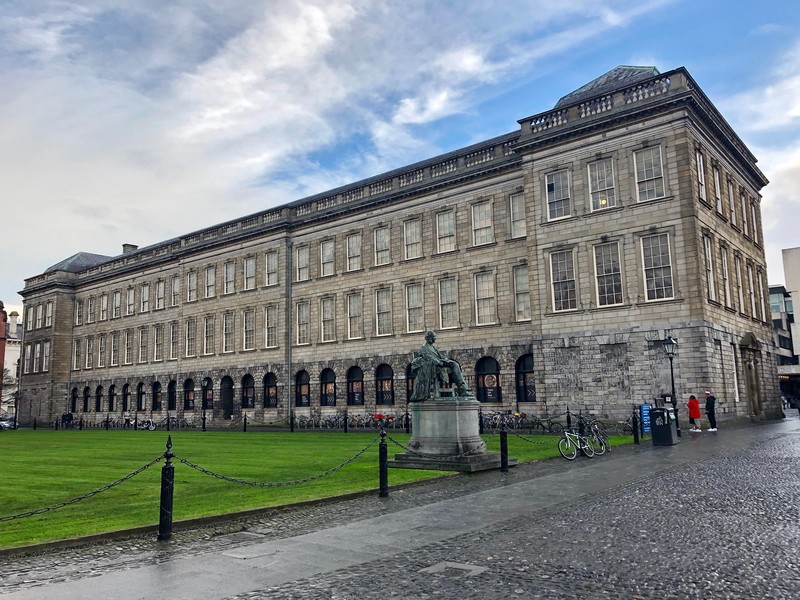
[(552, 261)]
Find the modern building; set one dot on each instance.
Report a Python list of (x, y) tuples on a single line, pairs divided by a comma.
[(782, 299), (553, 262)]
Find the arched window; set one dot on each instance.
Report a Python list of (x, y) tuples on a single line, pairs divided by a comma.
[(487, 373), (302, 393), (73, 401), (126, 397), (270, 391), (355, 387), (188, 394), (384, 385), (526, 389), (248, 391), (226, 396), (156, 395), (208, 394), (112, 397), (140, 397), (98, 399), (86, 399), (409, 383), (327, 388), (172, 395)]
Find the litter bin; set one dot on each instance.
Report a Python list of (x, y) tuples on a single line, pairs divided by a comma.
[(664, 427)]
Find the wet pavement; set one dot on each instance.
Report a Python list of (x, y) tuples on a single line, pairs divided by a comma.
[(715, 517)]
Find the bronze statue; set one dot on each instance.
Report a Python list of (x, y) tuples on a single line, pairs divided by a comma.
[(430, 367)]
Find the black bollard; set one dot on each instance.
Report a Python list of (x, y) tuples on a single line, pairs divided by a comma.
[(345, 421), (56, 425), (204, 421), (383, 466), (167, 482), (168, 429), (80, 424), (408, 421), (503, 449), (480, 420), (291, 420), (569, 419), (244, 427), (34, 423), (635, 426), (107, 423)]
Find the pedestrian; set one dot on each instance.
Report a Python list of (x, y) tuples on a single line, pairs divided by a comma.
[(694, 413), (710, 410)]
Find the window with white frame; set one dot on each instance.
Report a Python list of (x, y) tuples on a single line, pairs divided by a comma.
[(144, 293), (522, 293), (88, 357), (485, 312), (732, 203), (227, 332), (209, 328), (249, 329), (116, 304), (649, 174), (211, 282), (104, 307), (601, 184), (445, 231), (191, 286), (78, 312), (448, 303), (760, 293), (101, 351), (174, 340), (415, 319), (271, 260), (354, 252), (382, 240), (751, 291), (717, 190), (558, 198), (482, 224), (48, 313), (383, 311), (161, 286), (412, 236), (38, 316), (89, 311), (250, 273), (562, 275), (657, 264), (175, 290), (701, 174), (327, 319), (229, 277), (608, 274), (271, 326), (114, 359), (26, 363), (726, 282), (303, 324), (127, 342), (355, 320), (191, 337), (327, 258), (130, 301), (37, 358), (745, 220), (711, 282), (46, 356), (301, 263), (737, 261), (158, 342), (516, 207), (29, 313), (143, 344), (754, 220)]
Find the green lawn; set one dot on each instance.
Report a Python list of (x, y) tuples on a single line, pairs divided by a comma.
[(45, 467)]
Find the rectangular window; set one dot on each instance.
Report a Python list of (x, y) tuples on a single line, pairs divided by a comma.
[(144, 299), (48, 313), (446, 231), (717, 190), (608, 275), (482, 225), (448, 303), (89, 312), (726, 281), (522, 293), (130, 302), (761, 304), (127, 340), (191, 337), (37, 358), (26, 365), (412, 236), (29, 312), (657, 267), (46, 356), (160, 294), (250, 273), (751, 291), (208, 335), (101, 351), (191, 286), (558, 200), (327, 258), (229, 277), (114, 349), (739, 295), (701, 175), (649, 174), (327, 318), (271, 326), (301, 259), (78, 312), (383, 311), (745, 220), (415, 320), (711, 283), (562, 273), (175, 290), (484, 299), (227, 332), (158, 342), (271, 260), (354, 252), (89, 354), (303, 329), (174, 340), (249, 329), (516, 206), (601, 184), (355, 323), (732, 204), (38, 316), (754, 220), (211, 282), (143, 344), (116, 304), (382, 255)]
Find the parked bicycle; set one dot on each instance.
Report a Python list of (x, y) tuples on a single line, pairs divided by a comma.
[(148, 424), (569, 445)]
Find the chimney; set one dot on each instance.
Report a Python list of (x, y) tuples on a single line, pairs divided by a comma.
[(128, 248), (13, 316)]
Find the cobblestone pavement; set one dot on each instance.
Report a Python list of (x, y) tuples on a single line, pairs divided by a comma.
[(722, 528)]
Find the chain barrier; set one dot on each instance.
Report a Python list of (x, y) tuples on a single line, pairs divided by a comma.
[(539, 442), (270, 484), (477, 450), (39, 511)]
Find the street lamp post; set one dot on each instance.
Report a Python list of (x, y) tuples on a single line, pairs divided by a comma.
[(670, 346)]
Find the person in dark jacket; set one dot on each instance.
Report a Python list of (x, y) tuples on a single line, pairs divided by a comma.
[(710, 408)]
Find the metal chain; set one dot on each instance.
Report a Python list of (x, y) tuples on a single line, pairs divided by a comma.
[(540, 442), (39, 511), (477, 450), (269, 484)]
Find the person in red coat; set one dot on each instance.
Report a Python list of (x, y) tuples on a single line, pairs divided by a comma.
[(694, 413)]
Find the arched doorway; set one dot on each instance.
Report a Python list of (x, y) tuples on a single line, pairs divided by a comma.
[(98, 399), (226, 396), (73, 401), (523, 370), (355, 386), (112, 397), (208, 394), (86, 399), (188, 394), (384, 385), (140, 399), (327, 388), (302, 391), (487, 373), (156, 396), (172, 395), (248, 391), (126, 397), (270, 391)]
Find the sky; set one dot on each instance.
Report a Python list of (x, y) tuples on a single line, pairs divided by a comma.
[(136, 121)]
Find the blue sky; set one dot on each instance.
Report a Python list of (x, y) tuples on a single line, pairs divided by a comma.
[(137, 121)]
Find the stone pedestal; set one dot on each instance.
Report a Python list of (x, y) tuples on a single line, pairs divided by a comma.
[(446, 438)]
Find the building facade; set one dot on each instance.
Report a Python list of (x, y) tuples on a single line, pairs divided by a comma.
[(782, 299), (552, 261)]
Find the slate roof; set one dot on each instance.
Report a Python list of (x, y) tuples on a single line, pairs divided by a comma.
[(622, 76), (78, 262)]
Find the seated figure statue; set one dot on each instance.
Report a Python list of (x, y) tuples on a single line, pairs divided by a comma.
[(430, 367)]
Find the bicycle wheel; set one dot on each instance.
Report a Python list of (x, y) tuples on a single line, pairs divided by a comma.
[(556, 428), (597, 443), (152, 426), (587, 447), (567, 449)]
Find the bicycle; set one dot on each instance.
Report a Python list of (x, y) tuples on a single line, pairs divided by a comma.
[(569, 445), (148, 424)]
